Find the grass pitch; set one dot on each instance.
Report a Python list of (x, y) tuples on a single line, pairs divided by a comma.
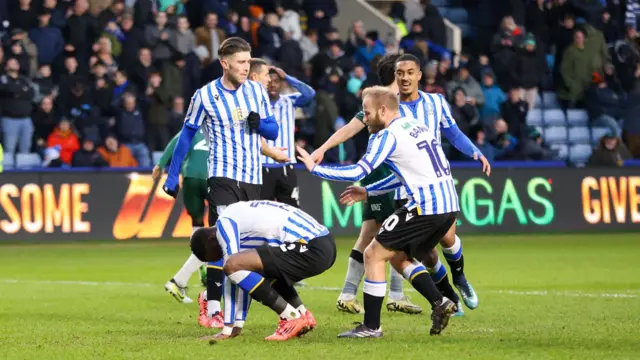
[(541, 297)]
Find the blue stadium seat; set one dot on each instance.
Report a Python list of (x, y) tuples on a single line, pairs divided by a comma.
[(554, 117), (579, 154), (28, 160), (597, 133), (7, 161), (155, 157), (579, 135), (563, 151), (550, 100), (457, 15), (555, 135), (577, 117), (439, 3), (534, 117)]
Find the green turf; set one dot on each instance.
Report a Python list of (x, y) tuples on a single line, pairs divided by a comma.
[(540, 297)]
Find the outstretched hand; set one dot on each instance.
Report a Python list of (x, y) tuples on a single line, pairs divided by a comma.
[(352, 195), (486, 167), (305, 158)]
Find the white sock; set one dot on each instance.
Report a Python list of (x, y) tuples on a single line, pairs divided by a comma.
[(395, 296), (190, 266), (395, 284), (302, 310), (213, 307), (194, 228), (290, 313)]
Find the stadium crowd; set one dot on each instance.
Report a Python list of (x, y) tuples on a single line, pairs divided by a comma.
[(107, 82)]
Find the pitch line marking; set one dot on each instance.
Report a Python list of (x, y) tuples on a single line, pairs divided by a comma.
[(627, 294)]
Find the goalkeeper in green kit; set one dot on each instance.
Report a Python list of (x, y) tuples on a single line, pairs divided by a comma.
[(194, 194)]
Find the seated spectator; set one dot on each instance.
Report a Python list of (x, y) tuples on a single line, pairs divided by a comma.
[(493, 97), (533, 146), (488, 150), (604, 105), (612, 80), (372, 47), (64, 137), (130, 128), (610, 152), (514, 112), (576, 70), (115, 154), (433, 84), (43, 84), (465, 114), (505, 143), (88, 156), (464, 80)]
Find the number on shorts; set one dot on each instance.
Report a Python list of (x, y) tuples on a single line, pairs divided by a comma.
[(390, 223), (434, 155), (292, 246), (295, 195), (201, 145)]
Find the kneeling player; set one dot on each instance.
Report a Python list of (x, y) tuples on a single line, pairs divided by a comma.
[(266, 239)]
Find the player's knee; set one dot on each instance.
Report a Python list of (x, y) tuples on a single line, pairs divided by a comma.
[(450, 237), (371, 253)]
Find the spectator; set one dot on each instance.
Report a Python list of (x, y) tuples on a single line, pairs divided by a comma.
[(122, 85), (174, 7), (416, 33), (465, 114), (270, 37), (356, 78), (372, 47), (445, 73), (58, 18), (530, 68), (488, 150), (208, 40), (81, 110), (64, 137), (610, 152), (514, 112), (116, 155), (183, 40), (104, 54), (43, 84), (464, 80), (608, 26), (111, 13), (244, 29), (70, 76), (626, 58), (176, 116), (158, 98), (576, 69), (142, 68), (173, 77), (130, 128), (81, 31), (290, 23), (25, 51), (48, 39), (596, 47), (24, 17), (603, 105), (102, 91), (44, 121), (157, 37), (505, 143), (433, 24), (319, 14), (562, 37), (538, 21), (133, 42), (309, 45), (493, 97), (432, 83), (355, 38), (612, 80), (87, 156), (327, 61), (116, 36), (16, 97), (505, 51)]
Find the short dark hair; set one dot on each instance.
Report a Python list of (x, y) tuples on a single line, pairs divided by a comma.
[(256, 64), (204, 244), (387, 68), (233, 45), (409, 57)]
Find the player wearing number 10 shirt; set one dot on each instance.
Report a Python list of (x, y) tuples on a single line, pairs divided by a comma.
[(418, 164)]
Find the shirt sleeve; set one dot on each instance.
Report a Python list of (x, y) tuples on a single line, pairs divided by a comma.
[(228, 236), (446, 120), (360, 116), (264, 106), (380, 147), (383, 186), (196, 112)]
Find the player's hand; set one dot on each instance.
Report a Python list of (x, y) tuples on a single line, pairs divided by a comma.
[(155, 173), (486, 167), (280, 155), (305, 158), (317, 156), (352, 195), (253, 120), (171, 187), (279, 71)]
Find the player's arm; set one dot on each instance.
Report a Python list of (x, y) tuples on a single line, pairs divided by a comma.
[(343, 134), (264, 122), (195, 117), (380, 148), (275, 153), (383, 186), (306, 92)]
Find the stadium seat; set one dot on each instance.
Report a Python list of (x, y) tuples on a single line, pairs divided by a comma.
[(550, 100), (28, 160), (597, 133), (555, 135), (439, 3), (155, 157), (563, 150), (534, 117), (577, 117), (457, 15), (579, 154), (554, 117), (579, 135), (7, 161)]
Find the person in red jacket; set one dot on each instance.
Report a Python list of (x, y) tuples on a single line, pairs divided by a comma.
[(64, 136)]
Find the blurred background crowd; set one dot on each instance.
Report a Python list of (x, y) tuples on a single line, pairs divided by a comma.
[(107, 82)]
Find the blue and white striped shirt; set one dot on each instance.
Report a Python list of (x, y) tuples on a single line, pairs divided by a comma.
[(418, 164), (251, 224), (234, 148), (285, 115)]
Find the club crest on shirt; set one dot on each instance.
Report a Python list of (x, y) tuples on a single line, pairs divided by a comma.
[(239, 115)]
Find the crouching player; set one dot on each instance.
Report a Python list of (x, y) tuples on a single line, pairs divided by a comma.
[(261, 240)]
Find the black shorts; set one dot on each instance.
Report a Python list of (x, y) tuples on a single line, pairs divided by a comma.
[(280, 184), (293, 262), (414, 234), (222, 192)]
